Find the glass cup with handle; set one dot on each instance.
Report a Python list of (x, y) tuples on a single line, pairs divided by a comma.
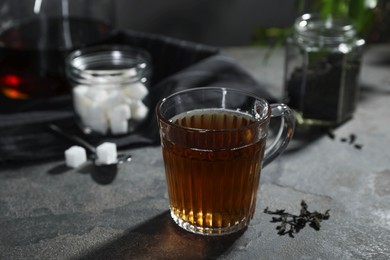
[(214, 145)]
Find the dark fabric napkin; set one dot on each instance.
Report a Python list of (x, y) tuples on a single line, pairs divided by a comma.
[(177, 65)]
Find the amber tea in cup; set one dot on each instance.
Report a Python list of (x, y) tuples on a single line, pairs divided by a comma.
[(214, 146)]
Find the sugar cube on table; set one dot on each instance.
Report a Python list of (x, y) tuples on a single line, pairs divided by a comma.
[(106, 153), (75, 156)]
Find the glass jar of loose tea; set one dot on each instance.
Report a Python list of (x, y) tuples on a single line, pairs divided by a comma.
[(323, 60), (110, 88)]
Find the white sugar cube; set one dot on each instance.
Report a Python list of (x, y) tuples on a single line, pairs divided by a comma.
[(106, 153), (120, 112), (138, 110), (118, 117), (119, 126), (75, 156), (108, 107), (80, 90), (136, 91), (96, 118), (80, 101), (96, 110), (114, 98), (96, 124), (129, 73), (97, 95), (87, 101)]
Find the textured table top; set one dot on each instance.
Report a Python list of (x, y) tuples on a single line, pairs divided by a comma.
[(50, 212)]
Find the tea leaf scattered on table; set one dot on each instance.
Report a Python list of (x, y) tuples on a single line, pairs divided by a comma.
[(290, 224)]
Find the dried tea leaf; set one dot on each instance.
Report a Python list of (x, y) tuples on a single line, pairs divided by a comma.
[(295, 223), (352, 138)]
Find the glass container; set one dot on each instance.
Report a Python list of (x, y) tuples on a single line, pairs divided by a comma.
[(323, 60), (110, 88), (37, 35)]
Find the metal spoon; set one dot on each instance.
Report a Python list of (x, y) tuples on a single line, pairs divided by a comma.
[(122, 158)]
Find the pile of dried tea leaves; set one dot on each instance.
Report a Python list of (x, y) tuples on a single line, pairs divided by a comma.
[(291, 224)]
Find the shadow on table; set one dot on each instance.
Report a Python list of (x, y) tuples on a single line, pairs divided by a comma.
[(161, 238), (302, 137), (103, 175)]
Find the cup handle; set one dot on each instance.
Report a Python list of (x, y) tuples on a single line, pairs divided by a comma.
[(285, 132)]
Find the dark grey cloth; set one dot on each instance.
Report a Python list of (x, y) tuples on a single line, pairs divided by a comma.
[(177, 65)]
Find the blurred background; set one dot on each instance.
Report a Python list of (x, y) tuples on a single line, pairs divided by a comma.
[(217, 22), (242, 22), (37, 35)]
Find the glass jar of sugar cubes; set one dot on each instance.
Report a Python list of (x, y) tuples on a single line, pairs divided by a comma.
[(110, 86)]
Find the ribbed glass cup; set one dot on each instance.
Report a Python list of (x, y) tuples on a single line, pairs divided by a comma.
[(214, 147)]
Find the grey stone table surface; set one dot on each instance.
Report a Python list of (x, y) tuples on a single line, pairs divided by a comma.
[(50, 212)]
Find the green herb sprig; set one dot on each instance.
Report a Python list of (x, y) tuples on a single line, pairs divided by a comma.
[(291, 224)]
